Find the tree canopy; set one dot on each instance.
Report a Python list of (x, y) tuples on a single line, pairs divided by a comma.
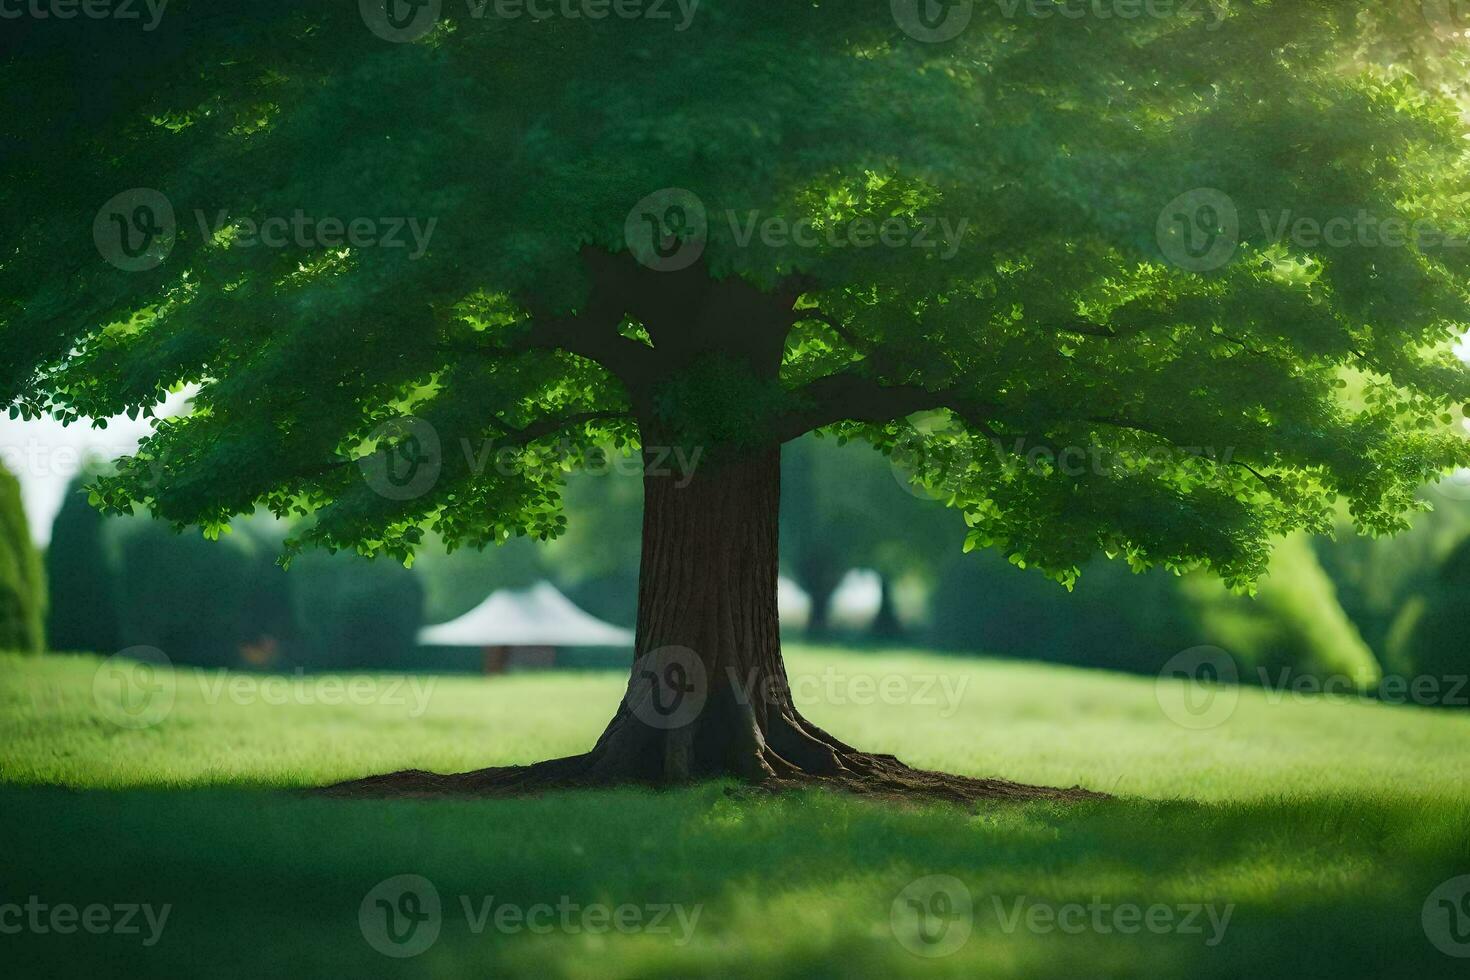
[(1077, 240)]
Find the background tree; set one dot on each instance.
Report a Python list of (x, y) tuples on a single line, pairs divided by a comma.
[(196, 600), (594, 562), (1431, 634), (826, 529), (844, 508), (593, 276), (356, 614), (81, 577), (22, 582)]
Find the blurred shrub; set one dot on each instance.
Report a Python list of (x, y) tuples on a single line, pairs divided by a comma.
[(1295, 620), (202, 602), (1112, 619), (1431, 636), (1116, 619), (354, 613), (81, 576), (1377, 578), (22, 582)]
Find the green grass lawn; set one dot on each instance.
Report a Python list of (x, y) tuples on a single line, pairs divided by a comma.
[(1320, 829)]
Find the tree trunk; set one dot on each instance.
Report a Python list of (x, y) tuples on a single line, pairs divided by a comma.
[(886, 624), (819, 620), (708, 695)]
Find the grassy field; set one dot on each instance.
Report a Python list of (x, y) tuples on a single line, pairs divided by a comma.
[(1294, 838)]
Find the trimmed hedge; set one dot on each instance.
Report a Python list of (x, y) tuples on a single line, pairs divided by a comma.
[(22, 580)]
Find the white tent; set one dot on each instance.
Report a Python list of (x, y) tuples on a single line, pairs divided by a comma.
[(536, 617)]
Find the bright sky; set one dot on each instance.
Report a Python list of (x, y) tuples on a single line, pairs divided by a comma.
[(45, 456)]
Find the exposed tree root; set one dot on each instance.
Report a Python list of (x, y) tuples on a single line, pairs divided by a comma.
[(808, 758)]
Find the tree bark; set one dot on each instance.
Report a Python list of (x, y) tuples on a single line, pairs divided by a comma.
[(708, 695)]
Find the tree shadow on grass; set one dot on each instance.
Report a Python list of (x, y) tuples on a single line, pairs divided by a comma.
[(799, 884)]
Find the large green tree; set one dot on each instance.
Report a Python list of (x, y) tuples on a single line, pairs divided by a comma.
[(383, 238)]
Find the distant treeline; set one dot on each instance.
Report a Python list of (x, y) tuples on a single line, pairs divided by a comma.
[(1353, 607), (126, 582)]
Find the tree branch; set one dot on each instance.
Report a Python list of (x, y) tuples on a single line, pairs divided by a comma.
[(594, 340), (541, 428), (1089, 330), (832, 323), (852, 396)]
